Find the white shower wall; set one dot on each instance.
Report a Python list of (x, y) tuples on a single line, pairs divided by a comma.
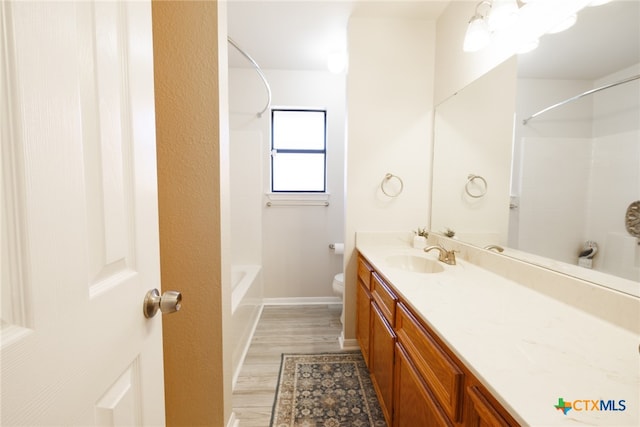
[(246, 183), (559, 193), (615, 173), (596, 158), (292, 241), (246, 247)]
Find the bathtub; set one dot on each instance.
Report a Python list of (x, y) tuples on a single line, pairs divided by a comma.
[(243, 277), (246, 307)]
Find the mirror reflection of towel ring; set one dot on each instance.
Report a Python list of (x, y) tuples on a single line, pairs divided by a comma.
[(470, 179), (388, 177)]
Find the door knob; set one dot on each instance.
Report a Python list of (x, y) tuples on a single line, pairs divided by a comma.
[(169, 302)]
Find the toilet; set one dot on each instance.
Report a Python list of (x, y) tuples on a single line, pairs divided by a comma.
[(338, 289)]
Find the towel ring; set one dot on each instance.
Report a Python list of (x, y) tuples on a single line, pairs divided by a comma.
[(632, 219), (471, 178), (386, 178)]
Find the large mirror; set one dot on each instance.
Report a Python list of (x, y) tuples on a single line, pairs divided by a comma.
[(560, 185)]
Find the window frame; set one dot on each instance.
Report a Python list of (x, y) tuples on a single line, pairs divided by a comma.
[(322, 151)]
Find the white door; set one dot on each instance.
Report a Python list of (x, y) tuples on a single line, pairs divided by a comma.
[(78, 210)]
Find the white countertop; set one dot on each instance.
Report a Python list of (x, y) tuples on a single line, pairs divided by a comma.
[(527, 348)]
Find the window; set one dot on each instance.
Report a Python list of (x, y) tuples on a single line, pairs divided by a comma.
[(298, 150)]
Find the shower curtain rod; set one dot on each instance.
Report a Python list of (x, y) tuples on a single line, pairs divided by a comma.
[(258, 70), (589, 92)]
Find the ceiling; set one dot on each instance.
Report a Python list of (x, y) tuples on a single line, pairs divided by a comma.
[(300, 34)]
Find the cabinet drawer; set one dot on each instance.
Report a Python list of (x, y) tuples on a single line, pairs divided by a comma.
[(384, 297), (438, 370), (364, 272)]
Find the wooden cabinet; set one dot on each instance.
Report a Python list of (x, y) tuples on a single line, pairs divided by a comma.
[(382, 342), (363, 324), (363, 302), (413, 402), (384, 297), (418, 379), (439, 371), (482, 412), (382, 360)]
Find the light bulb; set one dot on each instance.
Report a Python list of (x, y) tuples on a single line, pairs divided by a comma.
[(477, 36), (503, 13)]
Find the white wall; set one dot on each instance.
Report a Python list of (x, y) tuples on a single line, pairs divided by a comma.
[(390, 123), (455, 69), (293, 241), (474, 134)]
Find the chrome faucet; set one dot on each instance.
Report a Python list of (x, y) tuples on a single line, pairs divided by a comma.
[(448, 257), (497, 248)]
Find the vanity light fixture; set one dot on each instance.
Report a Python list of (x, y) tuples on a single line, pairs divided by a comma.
[(503, 14), (497, 14), (493, 17), (478, 35)]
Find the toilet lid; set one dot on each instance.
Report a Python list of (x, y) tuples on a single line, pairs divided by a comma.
[(339, 277)]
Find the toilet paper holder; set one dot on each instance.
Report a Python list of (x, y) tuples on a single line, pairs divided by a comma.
[(337, 247)]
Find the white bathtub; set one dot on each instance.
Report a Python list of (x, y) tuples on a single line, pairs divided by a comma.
[(246, 307), (243, 278)]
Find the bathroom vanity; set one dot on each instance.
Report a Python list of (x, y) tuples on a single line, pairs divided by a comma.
[(419, 381), (457, 345)]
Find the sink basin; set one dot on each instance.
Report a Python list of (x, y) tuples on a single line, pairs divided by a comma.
[(414, 263)]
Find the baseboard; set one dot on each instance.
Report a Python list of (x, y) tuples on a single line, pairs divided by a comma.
[(233, 421), (302, 301), (349, 344)]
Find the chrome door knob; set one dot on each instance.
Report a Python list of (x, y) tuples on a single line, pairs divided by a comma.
[(169, 302)]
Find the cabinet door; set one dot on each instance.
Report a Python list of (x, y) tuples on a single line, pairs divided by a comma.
[(482, 412), (381, 360), (442, 374), (363, 324), (413, 403)]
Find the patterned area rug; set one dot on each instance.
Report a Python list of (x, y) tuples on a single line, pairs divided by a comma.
[(325, 390)]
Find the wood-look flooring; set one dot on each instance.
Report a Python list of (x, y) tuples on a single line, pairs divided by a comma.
[(281, 329)]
